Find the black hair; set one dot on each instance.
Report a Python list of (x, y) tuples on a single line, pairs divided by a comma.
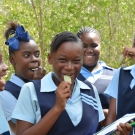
[(61, 38), (10, 31), (85, 30)]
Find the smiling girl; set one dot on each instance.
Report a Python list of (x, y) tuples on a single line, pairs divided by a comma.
[(24, 56), (56, 107), (4, 127)]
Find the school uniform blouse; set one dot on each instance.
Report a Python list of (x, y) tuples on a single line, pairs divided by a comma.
[(4, 127), (30, 102), (8, 101), (112, 89), (93, 76)]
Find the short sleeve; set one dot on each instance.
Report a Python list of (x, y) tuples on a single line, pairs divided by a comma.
[(112, 89), (7, 105), (25, 108), (100, 110), (3, 123)]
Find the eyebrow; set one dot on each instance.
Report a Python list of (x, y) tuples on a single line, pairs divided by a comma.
[(66, 56), (30, 51), (92, 43)]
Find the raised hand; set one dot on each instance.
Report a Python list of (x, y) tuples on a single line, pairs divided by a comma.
[(39, 73), (63, 93), (129, 52)]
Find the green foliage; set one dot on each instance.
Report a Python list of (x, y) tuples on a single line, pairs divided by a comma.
[(43, 19)]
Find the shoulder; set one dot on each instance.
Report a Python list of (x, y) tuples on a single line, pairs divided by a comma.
[(28, 89), (4, 95), (103, 64)]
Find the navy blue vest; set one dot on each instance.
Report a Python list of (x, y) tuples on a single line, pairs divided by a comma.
[(6, 133), (101, 85), (13, 89), (126, 95), (63, 125)]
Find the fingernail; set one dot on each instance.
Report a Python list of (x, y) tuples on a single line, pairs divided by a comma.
[(44, 69), (39, 67)]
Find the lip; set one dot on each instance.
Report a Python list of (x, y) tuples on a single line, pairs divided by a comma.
[(3, 76), (1, 79), (33, 69), (89, 54)]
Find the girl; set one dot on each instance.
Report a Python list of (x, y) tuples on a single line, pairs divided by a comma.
[(93, 70), (24, 56), (56, 107), (4, 127), (122, 90)]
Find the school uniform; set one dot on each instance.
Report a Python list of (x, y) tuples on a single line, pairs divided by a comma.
[(73, 112), (99, 78), (122, 88), (9, 96), (4, 127)]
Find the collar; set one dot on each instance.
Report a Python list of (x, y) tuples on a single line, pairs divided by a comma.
[(102, 66), (129, 68), (47, 84), (132, 72), (16, 80)]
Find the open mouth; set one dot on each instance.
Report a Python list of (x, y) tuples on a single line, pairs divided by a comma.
[(2, 78), (33, 69)]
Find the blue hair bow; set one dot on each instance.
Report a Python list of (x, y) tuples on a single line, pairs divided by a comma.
[(20, 35)]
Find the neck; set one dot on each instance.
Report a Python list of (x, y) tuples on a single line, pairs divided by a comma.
[(92, 68), (25, 80)]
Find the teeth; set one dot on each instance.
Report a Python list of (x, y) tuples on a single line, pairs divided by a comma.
[(33, 69)]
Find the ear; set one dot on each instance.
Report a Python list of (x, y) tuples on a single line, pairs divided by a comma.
[(50, 58), (12, 60)]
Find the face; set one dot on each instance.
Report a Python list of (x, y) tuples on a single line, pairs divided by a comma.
[(26, 60), (91, 45), (3, 72), (67, 60)]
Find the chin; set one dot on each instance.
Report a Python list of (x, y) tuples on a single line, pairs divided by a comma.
[(1, 88)]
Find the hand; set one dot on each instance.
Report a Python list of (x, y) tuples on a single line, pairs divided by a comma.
[(39, 73), (123, 129), (129, 52), (102, 123), (63, 92)]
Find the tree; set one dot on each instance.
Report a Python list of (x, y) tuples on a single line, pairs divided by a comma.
[(44, 19)]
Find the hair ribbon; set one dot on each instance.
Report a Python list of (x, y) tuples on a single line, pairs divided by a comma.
[(20, 35)]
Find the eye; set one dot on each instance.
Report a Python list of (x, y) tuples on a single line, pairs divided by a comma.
[(62, 60), (37, 54), (26, 55), (84, 45), (94, 45), (77, 61)]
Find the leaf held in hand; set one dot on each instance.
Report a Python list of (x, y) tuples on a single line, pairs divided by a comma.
[(67, 78)]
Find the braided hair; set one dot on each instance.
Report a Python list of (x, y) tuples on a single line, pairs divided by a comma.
[(61, 38), (86, 30)]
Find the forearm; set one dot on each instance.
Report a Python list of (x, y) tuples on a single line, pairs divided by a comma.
[(43, 126), (12, 125), (111, 117)]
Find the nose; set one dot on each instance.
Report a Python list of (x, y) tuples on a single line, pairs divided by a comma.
[(69, 66), (89, 49), (5, 67), (34, 58)]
